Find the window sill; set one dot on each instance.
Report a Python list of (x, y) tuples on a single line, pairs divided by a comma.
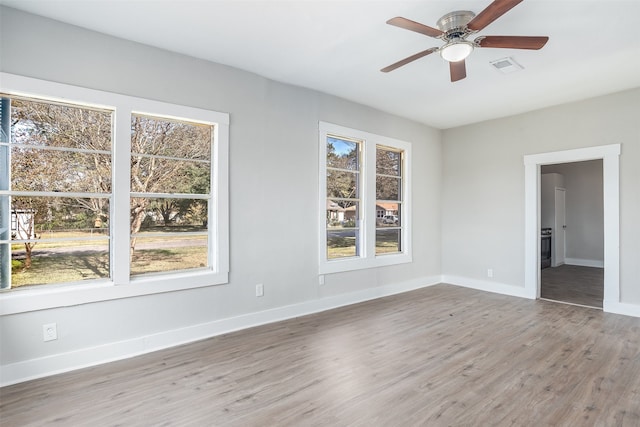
[(51, 296), (351, 264)]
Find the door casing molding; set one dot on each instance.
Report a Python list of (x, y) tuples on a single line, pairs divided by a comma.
[(610, 155)]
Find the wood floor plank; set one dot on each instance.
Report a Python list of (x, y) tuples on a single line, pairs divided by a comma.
[(574, 284), (438, 356)]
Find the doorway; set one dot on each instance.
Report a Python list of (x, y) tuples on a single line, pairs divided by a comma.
[(572, 214), (609, 154)]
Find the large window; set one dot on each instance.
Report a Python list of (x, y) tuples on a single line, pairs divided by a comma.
[(105, 189), (364, 199)]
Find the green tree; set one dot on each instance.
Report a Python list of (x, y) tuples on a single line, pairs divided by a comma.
[(388, 169), (343, 183)]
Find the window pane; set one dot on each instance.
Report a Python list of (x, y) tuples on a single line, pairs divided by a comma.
[(37, 215), (388, 188), (169, 176), (48, 261), (171, 138), (342, 213), (342, 154), (342, 184), (157, 254), (342, 229), (388, 241), (388, 214), (388, 162), (59, 125), (172, 235), (40, 170), (169, 215), (342, 243)]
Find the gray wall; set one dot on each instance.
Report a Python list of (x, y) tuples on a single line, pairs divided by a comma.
[(273, 145), (483, 184), (584, 209)]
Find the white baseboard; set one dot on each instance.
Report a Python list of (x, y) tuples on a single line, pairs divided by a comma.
[(501, 288), (621, 308), (584, 262), (36, 368), (489, 286)]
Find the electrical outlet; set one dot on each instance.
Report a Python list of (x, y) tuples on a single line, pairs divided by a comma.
[(490, 272), (259, 290), (50, 332)]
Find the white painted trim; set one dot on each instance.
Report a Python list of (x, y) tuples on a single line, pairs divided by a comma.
[(64, 362), (622, 308), (611, 181), (488, 286), (584, 262), (559, 238)]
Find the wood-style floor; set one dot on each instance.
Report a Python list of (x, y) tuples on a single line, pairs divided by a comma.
[(439, 356), (573, 284)]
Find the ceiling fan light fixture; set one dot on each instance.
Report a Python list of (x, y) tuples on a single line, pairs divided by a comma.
[(456, 50)]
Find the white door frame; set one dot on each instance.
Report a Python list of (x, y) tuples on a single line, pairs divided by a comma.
[(610, 155), (559, 230)]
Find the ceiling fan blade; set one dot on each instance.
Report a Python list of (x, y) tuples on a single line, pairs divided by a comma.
[(409, 59), (492, 12), (458, 70), (410, 25), (512, 42)]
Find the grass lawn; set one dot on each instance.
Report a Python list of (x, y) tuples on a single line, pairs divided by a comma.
[(85, 262), (64, 267), (159, 260), (344, 247)]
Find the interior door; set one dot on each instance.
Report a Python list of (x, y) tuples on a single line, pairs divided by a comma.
[(560, 228)]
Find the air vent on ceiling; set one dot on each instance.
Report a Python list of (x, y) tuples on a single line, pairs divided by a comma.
[(506, 65)]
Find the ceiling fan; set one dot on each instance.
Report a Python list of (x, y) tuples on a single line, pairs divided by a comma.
[(455, 27)]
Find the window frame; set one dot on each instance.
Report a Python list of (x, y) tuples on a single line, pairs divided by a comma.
[(367, 257), (121, 284)]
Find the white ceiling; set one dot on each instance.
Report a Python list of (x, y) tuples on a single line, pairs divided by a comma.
[(338, 47)]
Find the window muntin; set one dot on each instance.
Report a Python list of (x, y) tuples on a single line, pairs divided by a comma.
[(371, 185), (169, 158), (57, 189)]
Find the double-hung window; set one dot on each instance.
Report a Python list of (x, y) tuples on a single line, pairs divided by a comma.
[(99, 190), (365, 196)]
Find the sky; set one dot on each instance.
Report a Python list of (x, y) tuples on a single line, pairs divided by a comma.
[(341, 146)]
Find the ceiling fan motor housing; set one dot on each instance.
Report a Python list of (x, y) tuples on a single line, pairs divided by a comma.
[(454, 24)]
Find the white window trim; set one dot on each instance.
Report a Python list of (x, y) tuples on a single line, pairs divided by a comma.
[(121, 285), (367, 258)]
